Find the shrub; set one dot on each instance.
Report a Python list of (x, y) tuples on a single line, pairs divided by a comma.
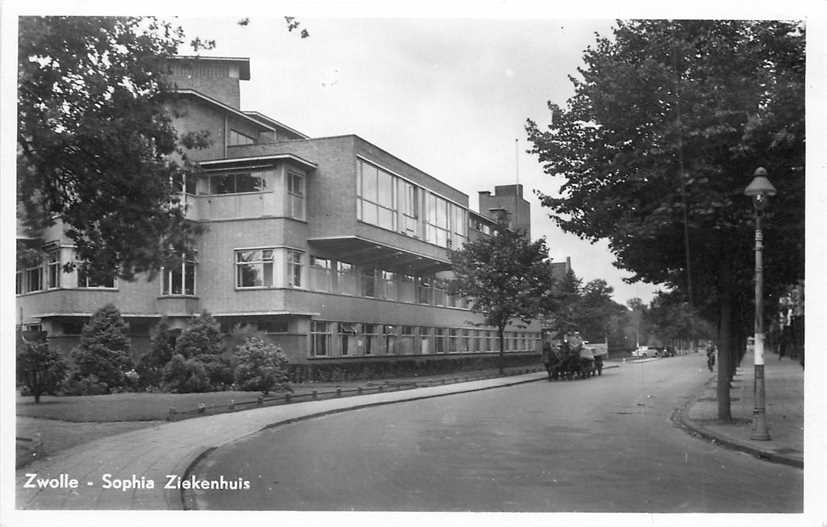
[(219, 371), (89, 385), (201, 340), (202, 336), (260, 366), (150, 366), (103, 355), (184, 375), (39, 369)]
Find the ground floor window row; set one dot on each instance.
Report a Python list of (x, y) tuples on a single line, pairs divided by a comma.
[(359, 339)]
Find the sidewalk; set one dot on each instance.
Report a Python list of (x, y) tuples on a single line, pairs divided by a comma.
[(151, 454), (784, 388)]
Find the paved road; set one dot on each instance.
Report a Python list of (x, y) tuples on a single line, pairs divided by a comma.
[(599, 445)]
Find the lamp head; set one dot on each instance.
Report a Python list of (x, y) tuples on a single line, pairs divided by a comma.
[(760, 188)]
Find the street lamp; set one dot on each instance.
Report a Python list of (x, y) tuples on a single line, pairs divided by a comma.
[(760, 190)]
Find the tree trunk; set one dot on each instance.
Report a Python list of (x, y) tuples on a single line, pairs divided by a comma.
[(724, 342), (37, 398), (501, 332)]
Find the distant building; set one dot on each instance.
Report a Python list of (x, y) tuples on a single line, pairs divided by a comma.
[(559, 270), (336, 248), (507, 200)]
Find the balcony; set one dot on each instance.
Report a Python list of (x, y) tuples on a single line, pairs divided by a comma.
[(364, 252)]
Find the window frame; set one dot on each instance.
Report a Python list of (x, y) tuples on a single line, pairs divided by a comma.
[(237, 264), (167, 278), (295, 196), (294, 268)]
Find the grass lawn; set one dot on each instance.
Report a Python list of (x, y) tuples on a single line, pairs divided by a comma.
[(60, 435), (135, 406), (121, 406)]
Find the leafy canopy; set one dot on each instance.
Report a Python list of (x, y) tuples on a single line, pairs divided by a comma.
[(96, 146), (668, 122), (505, 275)]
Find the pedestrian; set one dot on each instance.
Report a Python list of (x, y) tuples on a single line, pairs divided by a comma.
[(547, 357), (710, 356)]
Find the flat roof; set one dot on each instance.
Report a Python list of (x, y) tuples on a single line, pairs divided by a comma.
[(244, 62), (272, 157)]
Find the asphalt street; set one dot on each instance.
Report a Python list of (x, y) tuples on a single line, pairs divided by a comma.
[(604, 444)]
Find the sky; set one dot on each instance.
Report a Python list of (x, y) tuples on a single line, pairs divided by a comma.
[(448, 96)]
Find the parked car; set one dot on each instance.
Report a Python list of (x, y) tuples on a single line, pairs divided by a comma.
[(645, 352)]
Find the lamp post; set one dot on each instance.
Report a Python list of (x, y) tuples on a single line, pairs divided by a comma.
[(760, 190)]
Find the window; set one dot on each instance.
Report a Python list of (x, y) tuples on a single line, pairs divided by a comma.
[(387, 285), (424, 340), (272, 325), (453, 340), (389, 332), (237, 139), (254, 268), (371, 337), (423, 290), (368, 282), (295, 195), (53, 270), (406, 341), (480, 225), (459, 222), (87, 281), (179, 280), (186, 184), (408, 207), (465, 343), (236, 183), (294, 268), (320, 338), (406, 288), (436, 220), (439, 340), (345, 278), (439, 296), (321, 274), (347, 336), (376, 190), (34, 279), (18, 283)]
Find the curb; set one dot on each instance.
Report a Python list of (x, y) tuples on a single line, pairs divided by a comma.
[(187, 497), (680, 419)]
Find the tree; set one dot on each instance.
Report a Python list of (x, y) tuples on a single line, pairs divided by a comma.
[(39, 369), (162, 346), (594, 310), (96, 145), (260, 366), (567, 294), (668, 122), (506, 276), (672, 318), (103, 356), (198, 349)]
